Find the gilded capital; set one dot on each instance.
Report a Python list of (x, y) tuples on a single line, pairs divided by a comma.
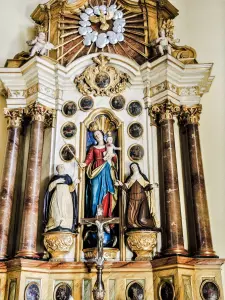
[(41, 113), (164, 111), (14, 117), (190, 115)]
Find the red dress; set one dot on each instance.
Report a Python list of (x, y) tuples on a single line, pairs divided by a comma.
[(95, 156)]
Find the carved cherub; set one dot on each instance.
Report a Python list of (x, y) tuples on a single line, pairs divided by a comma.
[(163, 43), (40, 45)]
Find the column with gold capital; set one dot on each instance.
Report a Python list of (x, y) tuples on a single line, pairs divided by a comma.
[(39, 115), (190, 117), (163, 114), (14, 119)]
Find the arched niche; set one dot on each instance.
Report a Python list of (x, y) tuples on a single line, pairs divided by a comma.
[(97, 116)]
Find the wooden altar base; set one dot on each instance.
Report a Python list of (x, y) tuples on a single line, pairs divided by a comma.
[(185, 274)]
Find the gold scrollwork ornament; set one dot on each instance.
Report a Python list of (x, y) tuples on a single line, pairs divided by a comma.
[(101, 79)]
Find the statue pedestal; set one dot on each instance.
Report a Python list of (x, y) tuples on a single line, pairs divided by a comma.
[(59, 244), (108, 253), (142, 243)]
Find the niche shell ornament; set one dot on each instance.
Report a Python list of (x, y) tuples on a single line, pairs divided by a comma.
[(101, 79)]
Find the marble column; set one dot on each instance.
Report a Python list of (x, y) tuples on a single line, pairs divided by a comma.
[(14, 118), (163, 114), (189, 117), (38, 116)]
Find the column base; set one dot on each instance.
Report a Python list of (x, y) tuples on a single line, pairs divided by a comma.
[(206, 254), (27, 254), (175, 252)]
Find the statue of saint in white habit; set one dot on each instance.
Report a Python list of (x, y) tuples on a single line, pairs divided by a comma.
[(60, 203)]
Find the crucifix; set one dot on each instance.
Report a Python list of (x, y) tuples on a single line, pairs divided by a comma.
[(100, 222)]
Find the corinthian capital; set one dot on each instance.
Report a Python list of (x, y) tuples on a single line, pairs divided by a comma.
[(164, 111), (41, 113), (14, 117), (190, 115)]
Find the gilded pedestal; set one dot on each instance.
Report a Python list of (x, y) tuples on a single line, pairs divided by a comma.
[(8, 178), (59, 244), (142, 243)]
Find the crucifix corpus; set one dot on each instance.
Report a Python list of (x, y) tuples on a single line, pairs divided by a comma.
[(99, 222)]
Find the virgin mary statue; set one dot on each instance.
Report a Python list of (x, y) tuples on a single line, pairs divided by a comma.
[(101, 175)]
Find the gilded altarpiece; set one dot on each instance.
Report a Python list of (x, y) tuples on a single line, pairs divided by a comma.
[(96, 112)]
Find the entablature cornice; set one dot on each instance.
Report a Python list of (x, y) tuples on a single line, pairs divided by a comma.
[(44, 81)]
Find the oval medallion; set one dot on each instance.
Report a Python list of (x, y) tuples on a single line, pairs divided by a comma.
[(62, 291), (136, 152), (86, 103), (166, 291), (134, 108), (210, 290), (68, 130), (102, 80), (135, 130), (117, 102), (67, 152), (32, 291), (134, 291), (69, 108)]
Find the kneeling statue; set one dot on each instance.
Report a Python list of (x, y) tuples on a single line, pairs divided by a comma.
[(139, 209)]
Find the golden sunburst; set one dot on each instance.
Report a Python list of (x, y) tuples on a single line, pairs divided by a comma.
[(71, 44)]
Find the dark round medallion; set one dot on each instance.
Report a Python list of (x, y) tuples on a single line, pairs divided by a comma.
[(117, 102), (67, 152), (102, 80), (166, 291), (210, 290), (135, 130), (68, 130), (86, 103), (32, 291), (134, 291), (69, 108), (62, 291), (134, 108), (136, 152)]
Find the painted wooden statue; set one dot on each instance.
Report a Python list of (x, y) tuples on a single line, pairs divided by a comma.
[(60, 203), (139, 209)]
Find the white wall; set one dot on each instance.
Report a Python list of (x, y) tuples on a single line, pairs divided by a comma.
[(201, 24)]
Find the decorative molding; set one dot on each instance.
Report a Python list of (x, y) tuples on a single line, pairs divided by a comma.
[(31, 91), (101, 79), (180, 91), (164, 111), (47, 90), (14, 117), (16, 94)]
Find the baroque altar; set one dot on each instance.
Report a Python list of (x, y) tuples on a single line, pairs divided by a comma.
[(103, 120)]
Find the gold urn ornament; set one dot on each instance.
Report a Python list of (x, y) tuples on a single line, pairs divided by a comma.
[(58, 244), (142, 243)]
